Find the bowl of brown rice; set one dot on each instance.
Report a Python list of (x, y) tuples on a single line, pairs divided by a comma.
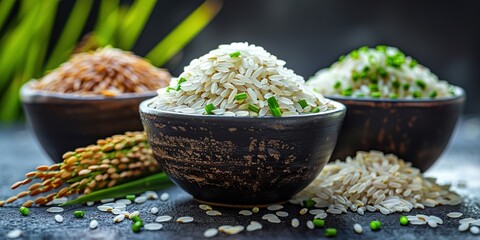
[(91, 96)]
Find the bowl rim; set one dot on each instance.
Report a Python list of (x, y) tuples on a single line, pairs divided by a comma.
[(339, 109), (460, 95), (28, 94)]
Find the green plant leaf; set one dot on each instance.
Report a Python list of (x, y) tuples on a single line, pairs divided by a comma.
[(105, 10), (106, 30), (184, 32), (134, 22), (5, 7), (70, 33), (149, 183)]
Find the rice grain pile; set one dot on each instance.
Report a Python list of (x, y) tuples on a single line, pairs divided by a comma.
[(240, 80), (381, 72), (106, 71), (373, 181)]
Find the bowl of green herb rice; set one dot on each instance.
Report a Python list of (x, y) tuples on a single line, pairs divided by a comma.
[(395, 105)]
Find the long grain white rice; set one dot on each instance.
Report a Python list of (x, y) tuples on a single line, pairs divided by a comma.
[(16, 233), (475, 230), (253, 226), (463, 227), (93, 224), (58, 218), (211, 232), (357, 228), (373, 171), (55, 209), (295, 222), (165, 218), (214, 213), (245, 212), (310, 225), (153, 226), (186, 219), (217, 78)]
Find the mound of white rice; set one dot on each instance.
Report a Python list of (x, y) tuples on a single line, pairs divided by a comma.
[(373, 181), (381, 72), (240, 80)]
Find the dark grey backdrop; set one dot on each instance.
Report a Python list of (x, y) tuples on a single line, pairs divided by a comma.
[(311, 34)]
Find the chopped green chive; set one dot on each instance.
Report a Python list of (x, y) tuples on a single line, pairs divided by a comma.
[(355, 76), (372, 60), (330, 232), (308, 203), (337, 85), (433, 94), (395, 60), (420, 83), (79, 214), (366, 69), (136, 227), (209, 108), (413, 63), (359, 95), (417, 94), (170, 88), (130, 197), (382, 72), (347, 92), (316, 110), (396, 84), (341, 58), (375, 94), (303, 103), (382, 48), (393, 96), (404, 221), (253, 108), (319, 223), (354, 54), (235, 54), (137, 219), (406, 86), (180, 81), (373, 87), (274, 108), (363, 49), (375, 225), (24, 211), (240, 96), (373, 78)]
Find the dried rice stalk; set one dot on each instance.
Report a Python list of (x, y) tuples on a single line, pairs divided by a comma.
[(111, 161), (106, 71)]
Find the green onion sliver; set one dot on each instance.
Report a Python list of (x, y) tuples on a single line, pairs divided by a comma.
[(316, 110), (308, 203), (403, 221), (303, 103), (235, 54), (330, 232), (253, 108), (24, 211), (318, 223), (420, 83), (375, 225), (209, 108), (79, 214), (241, 96), (180, 81), (274, 107)]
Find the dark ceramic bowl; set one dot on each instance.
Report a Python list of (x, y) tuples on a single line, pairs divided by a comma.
[(241, 161), (416, 130), (63, 122)]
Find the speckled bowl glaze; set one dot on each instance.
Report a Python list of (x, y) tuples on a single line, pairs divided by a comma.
[(416, 130), (241, 161), (64, 122)]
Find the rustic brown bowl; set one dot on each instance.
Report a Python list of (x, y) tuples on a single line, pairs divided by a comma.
[(416, 130), (241, 161), (63, 122)]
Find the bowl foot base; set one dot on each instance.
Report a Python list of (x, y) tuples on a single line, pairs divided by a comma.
[(243, 206)]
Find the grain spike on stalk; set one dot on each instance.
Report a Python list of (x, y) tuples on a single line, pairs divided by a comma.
[(115, 159)]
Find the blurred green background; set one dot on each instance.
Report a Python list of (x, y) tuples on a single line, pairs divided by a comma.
[(28, 49)]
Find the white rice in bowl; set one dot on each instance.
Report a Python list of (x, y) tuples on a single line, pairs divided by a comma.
[(381, 72), (240, 80)]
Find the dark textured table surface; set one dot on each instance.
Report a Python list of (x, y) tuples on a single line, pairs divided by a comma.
[(20, 153)]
